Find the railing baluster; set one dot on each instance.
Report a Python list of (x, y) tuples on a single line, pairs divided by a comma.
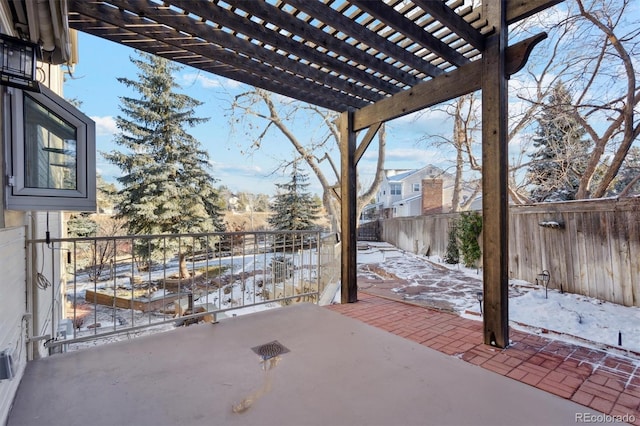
[(232, 280), (113, 274), (95, 289), (133, 251), (115, 286), (255, 240), (75, 288), (164, 277), (280, 265), (53, 293), (318, 266)]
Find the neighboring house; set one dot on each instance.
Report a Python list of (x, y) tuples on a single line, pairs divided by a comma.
[(234, 201), (428, 190), (48, 168)]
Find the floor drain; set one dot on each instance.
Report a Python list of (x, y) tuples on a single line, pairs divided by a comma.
[(270, 350)]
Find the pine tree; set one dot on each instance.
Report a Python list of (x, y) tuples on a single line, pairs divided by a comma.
[(166, 186), (562, 151), (294, 208), (452, 256), (628, 180)]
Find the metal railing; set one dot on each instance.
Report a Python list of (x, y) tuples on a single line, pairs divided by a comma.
[(106, 286)]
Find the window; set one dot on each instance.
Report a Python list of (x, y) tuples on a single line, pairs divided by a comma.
[(51, 152), (416, 187), (396, 189)]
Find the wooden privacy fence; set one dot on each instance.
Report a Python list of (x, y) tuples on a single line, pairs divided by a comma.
[(589, 247)]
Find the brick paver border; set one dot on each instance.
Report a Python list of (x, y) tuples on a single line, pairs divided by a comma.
[(605, 382)]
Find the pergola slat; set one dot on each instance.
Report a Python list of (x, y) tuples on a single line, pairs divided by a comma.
[(440, 11), (201, 50), (340, 22), (228, 41), (328, 52), (311, 34), (229, 19), (389, 16)]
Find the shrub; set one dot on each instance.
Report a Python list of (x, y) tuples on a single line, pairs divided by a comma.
[(469, 229), (453, 252)]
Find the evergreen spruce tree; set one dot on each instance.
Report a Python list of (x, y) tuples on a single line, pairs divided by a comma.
[(562, 151), (452, 256), (627, 179), (166, 186), (294, 209)]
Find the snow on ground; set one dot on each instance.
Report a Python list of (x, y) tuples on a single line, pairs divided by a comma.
[(386, 270), (248, 290), (570, 317)]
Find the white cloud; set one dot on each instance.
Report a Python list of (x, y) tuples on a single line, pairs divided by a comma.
[(206, 81), (410, 158), (228, 169), (105, 125), (412, 155)]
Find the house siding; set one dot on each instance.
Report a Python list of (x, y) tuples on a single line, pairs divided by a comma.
[(409, 203), (26, 311), (13, 323)]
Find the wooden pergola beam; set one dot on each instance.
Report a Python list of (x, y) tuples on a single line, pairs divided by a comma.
[(366, 141), (461, 81), (518, 10)]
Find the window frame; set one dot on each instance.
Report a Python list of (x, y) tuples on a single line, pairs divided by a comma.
[(21, 197)]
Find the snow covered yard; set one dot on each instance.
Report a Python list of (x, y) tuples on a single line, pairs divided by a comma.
[(239, 285), (391, 272)]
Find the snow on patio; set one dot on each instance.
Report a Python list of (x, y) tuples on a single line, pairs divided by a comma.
[(387, 271)]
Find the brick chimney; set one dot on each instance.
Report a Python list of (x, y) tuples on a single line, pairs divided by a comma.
[(431, 196)]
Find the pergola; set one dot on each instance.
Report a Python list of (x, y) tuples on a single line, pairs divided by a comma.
[(371, 61)]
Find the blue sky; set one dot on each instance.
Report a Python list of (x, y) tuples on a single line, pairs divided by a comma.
[(94, 83)]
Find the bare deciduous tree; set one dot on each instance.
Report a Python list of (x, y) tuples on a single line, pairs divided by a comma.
[(257, 111), (594, 45), (591, 47)]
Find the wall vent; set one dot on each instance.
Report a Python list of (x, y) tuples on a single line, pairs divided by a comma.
[(7, 368)]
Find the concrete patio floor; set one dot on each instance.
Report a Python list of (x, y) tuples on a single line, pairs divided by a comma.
[(337, 371)]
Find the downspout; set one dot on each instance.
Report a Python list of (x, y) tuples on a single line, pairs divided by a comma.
[(32, 296), (49, 28), (47, 40)]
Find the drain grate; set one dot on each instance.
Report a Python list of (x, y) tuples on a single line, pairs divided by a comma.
[(270, 350)]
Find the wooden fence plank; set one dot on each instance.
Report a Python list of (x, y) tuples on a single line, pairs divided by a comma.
[(586, 277), (597, 254), (573, 267), (633, 223), (621, 258)]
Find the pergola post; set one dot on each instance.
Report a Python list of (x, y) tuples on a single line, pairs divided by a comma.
[(495, 211), (348, 200)]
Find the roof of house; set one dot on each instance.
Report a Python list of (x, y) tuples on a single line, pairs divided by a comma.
[(429, 169)]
